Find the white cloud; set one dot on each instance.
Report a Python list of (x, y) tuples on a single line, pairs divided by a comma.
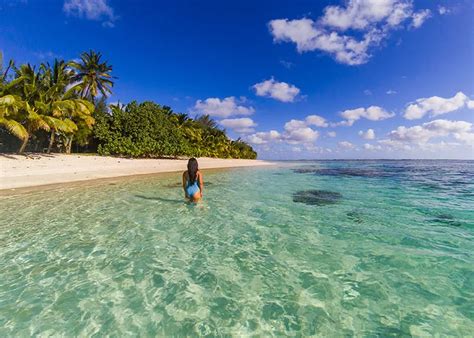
[(316, 120), (375, 18), (368, 146), (367, 92), (368, 135), (373, 113), (443, 10), (91, 10), (239, 125), (436, 105), (346, 145), (295, 124), (300, 135), (310, 120), (391, 92), (226, 107), (361, 14), (280, 91), (420, 17), (460, 130), (295, 132), (264, 137), (308, 37), (331, 134)]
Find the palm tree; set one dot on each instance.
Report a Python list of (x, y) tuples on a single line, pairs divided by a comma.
[(4, 73), (27, 119), (47, 104), (10, 105), (206, 121), (74, 112), (58, 102), (23, 90), (93, 74)]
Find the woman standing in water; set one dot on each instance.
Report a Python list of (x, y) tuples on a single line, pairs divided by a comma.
[(192, 181)]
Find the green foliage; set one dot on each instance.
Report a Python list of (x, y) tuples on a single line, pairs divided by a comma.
[(93, 74), (150, 130), (51, 106)]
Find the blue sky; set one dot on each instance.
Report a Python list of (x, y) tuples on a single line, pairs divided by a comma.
[(297, 79)]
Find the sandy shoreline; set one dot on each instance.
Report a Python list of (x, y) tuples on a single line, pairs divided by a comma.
[(36, 170)]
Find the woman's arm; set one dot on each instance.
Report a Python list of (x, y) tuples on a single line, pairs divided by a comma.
[(184, 185), (201, 183)]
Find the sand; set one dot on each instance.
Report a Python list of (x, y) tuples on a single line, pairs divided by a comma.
[(18, 171)]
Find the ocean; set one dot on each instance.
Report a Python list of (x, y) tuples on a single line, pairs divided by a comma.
[(326, 248)]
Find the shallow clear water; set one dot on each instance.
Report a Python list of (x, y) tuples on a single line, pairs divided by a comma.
[(392, 255)]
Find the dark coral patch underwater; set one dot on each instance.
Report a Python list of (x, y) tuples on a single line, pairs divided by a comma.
[(348, 172), (316, 197)]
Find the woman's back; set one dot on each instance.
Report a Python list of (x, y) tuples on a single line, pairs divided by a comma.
[(192, 181)]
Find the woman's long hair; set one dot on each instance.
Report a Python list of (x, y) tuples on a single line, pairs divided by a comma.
[(192, 170)]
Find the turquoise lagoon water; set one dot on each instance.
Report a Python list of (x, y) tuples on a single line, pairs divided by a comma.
[(390, 255)]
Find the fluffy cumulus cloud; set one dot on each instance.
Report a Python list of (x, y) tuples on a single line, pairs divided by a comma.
[(370, 147), (280, 91), (300, 131), (436, 105), (333, 32), (460, 130), (331, 134), (264, 137), (346, 145), (368, 135), (310, 120), (372, 113), (295, 132), (229, 106), (300, 135), (240, 125), (316, 120), (307, 37), (98, 10)]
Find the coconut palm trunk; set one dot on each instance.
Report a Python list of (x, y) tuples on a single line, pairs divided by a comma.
[(51, 141), (24, 143), (69, 144)]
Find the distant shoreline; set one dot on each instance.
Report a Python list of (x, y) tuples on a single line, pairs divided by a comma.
[(375, 159), (18, 171)]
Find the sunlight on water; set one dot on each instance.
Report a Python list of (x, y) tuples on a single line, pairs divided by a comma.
[(308, 248)]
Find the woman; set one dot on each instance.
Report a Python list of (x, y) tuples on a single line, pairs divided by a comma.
[(192, 181)]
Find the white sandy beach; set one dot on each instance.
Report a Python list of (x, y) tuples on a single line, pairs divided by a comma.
[(20, 171)]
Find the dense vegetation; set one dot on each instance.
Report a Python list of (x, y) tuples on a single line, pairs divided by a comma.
[(63, 106)]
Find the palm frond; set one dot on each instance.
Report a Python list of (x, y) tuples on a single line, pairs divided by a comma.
[(14, 127)]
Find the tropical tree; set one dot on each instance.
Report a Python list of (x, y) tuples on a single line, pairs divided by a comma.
[(93, 75), (48, 102), (206, 121), (31, 121), (4, 72), (68, 100), (10, 107), (60, 103), (16, 104)]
